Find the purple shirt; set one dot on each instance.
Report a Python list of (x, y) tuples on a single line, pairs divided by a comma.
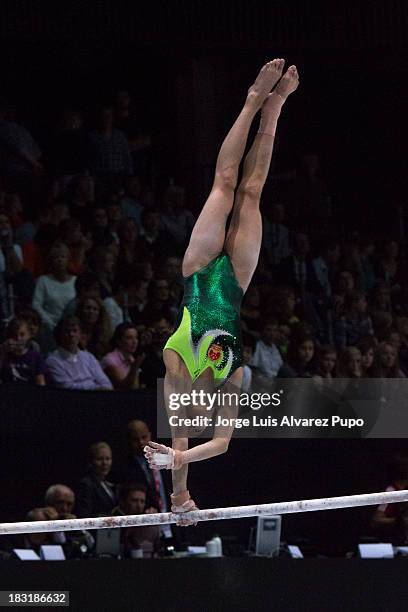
[(76, 371), (22, 369)]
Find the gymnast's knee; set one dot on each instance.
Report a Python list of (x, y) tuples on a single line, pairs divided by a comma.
[(226, 180), (251, 190)]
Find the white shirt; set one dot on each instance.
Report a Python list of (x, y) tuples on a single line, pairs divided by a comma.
[(51, 296), (267, 359)]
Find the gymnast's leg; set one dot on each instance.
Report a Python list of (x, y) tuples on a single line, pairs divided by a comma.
[(244, 236), (208, 235)]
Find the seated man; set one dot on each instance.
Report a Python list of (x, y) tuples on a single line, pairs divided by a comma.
[(62, 499), (68, 366), (132, 500)]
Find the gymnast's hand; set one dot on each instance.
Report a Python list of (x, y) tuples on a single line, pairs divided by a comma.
[(182, 504), (161, 457)]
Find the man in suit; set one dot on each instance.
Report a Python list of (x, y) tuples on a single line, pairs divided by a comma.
[(136, 469)]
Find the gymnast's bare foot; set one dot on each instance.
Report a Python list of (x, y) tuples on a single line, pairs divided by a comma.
[(265, 81), (288, 83)]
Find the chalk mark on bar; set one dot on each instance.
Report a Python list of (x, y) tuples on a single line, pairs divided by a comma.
[(138, 520)]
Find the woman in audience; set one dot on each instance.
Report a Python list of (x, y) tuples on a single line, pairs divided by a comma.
[(54, 290), (95, 325), (386, 363), (122, 365), (96, 495), (367, 346)]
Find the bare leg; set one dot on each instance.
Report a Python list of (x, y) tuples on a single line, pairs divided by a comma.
[(208, 235), (243, 241)]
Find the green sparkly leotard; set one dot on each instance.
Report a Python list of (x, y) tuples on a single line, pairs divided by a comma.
[(208, 331)]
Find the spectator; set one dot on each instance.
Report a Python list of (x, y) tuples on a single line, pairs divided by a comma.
[(350, 363), (103, 264), (132, 500), (36, 252), (297, 270), (11, 256), (95, 495), (155, 241), (343, 284), (53, 291), (381, 298), (62, 499), (389, 267), (367, 346), (72, 368), (326, 363), (122, 365), (131, 200), (114, 212), (86, 285), (19, 363), (95, 326), (354, 323), (386, 363), (135, 297), (80, 198), (283, 306), (109, 148), (325, 266), (70, 233), (367, 249), (299, 362), (131, 249), (161, 304), (153, 367), (276, 235), (172, 272), (402, 326), (267, 359), (101, 234), (250, 311), (24, 230), (135, 467), (176, 219), (34, 323), (34, 541)]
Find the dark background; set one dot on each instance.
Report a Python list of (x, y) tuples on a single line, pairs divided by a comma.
[(187, 66)]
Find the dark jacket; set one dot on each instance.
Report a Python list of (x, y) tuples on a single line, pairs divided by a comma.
[(92, 499)]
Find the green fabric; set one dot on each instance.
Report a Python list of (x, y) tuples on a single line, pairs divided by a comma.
[(210, 314)]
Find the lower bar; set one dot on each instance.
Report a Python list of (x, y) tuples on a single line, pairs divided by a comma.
[(137, 520)]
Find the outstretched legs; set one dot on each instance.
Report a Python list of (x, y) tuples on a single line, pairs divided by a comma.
[(208, 236), (244, 236)]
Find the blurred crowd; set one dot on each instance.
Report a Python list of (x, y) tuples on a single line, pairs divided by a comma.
[(91, 247)]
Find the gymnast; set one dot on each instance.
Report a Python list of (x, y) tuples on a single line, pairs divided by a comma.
[(218, 265)]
